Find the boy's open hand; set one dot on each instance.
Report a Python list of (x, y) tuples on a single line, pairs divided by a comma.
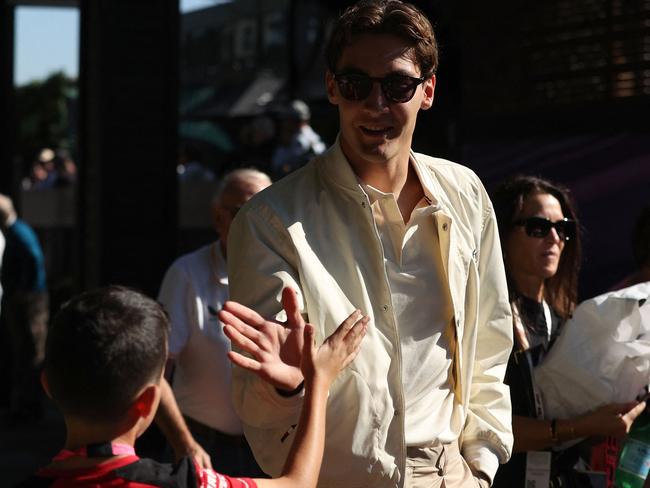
[(338, 350), (275, 347)]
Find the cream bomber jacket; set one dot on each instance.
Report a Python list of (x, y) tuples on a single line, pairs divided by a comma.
[(314, 231)]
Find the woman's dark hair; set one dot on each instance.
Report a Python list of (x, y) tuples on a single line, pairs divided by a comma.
[(103, 347), (561, 290)]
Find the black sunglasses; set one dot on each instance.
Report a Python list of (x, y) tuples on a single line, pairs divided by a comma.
[(540, 227), (397, 88)]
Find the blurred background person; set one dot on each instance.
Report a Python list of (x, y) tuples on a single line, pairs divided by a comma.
[(51, 170), (42, 173), (190, 166), (297, 141), (37, 176), (257, 141), (65, 169), (193, 290), (542, 252), (25, 312)]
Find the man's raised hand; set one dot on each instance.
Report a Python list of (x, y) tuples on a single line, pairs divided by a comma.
[(275, 347)]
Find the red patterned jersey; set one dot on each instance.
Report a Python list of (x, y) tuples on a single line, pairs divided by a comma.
[(133, 472)]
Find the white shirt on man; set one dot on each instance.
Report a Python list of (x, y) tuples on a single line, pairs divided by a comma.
[(424, 315), (193, 290)]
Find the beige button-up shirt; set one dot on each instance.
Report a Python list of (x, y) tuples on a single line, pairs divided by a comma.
[(423, 314)]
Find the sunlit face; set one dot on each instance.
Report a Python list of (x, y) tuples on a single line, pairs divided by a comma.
[(535, 257), (375, 130)]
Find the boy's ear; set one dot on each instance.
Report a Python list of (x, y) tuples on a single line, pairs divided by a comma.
[(45, 384), (145, 401)]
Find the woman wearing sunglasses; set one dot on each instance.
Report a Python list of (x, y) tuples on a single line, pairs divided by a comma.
[(541, 248)]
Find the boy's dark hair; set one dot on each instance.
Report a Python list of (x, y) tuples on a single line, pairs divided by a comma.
[(561, 290), (385, 17), (103, 347)]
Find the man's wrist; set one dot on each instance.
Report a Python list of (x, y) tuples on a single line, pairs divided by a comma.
[(290, 393)]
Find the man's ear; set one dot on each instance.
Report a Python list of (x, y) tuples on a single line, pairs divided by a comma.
[(330, 84), (45, 384), (145, 401), (429, 88)]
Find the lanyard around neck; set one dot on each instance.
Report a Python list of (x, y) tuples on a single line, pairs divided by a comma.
[(102, 449), (548, 319)]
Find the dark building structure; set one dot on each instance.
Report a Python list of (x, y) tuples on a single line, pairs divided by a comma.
[(243, 56), (126, 204), (562, 89)]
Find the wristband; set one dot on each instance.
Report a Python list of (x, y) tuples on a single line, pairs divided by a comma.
[(290, 393), (554, 437)]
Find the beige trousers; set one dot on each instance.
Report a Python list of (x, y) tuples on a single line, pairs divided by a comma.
[(440, 466)]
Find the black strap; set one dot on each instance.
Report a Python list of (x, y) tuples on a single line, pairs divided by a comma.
[(100, 449)]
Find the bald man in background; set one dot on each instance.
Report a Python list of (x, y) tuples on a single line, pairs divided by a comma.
[(197, 415)]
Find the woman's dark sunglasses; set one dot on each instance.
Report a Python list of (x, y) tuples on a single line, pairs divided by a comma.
[(396, 88), (540, 227)]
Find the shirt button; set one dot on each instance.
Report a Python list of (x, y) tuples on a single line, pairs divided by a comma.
[(397, 413), (445, 226), (363, 204), (385, 308)]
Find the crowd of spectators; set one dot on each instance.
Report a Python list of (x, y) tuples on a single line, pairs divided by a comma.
[(51, 169)]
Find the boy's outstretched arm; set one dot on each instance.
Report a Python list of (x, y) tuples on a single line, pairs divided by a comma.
[(319, 367)]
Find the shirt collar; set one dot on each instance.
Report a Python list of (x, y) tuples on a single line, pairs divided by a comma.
[(374, 194), (334, 166)]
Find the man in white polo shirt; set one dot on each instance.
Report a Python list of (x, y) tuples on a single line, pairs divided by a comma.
[(410, 240), (193, 290)]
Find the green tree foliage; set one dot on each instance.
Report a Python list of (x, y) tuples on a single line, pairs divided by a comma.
[(43, 113)]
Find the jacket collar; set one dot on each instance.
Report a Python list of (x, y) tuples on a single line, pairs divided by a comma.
[(335, 168)]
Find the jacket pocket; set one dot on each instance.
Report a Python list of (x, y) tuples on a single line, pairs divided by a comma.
[(354, 436)]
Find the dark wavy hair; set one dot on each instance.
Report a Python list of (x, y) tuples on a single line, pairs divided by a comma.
[(561, 290), (385, 17)]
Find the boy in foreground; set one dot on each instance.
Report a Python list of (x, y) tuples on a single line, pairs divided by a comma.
[(103, 366)]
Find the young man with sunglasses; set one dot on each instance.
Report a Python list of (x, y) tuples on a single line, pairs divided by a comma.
[(410, 240)]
